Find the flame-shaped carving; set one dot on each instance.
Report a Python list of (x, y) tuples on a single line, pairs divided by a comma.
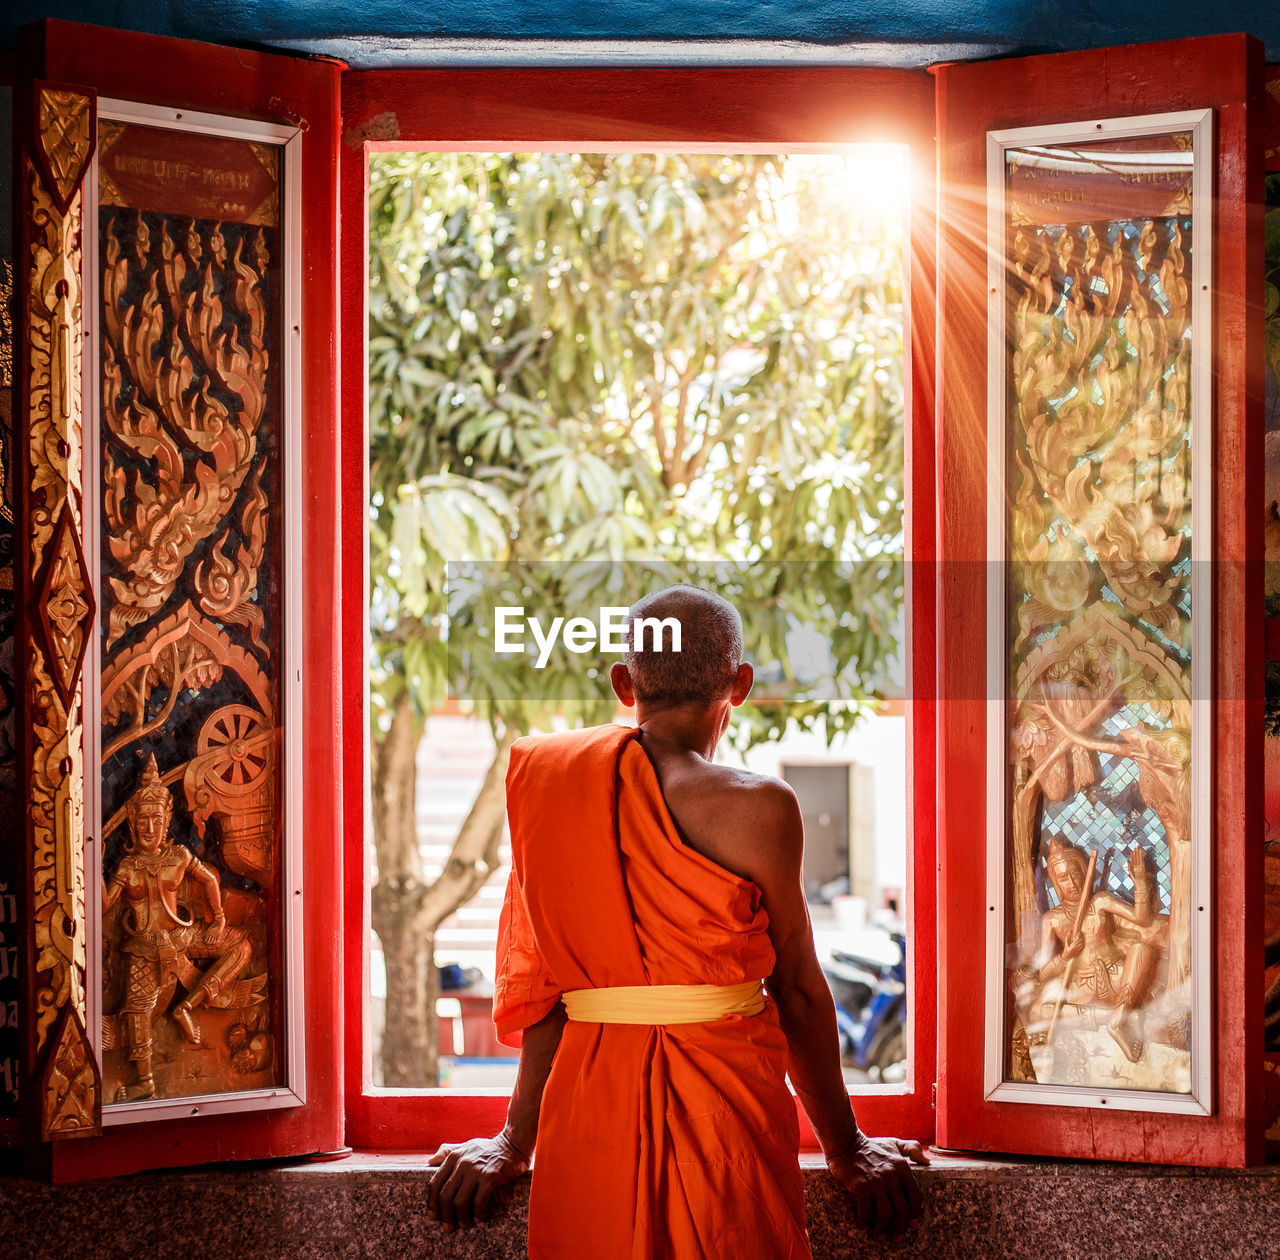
[(1101, 375), (226, 586), (184, 391)]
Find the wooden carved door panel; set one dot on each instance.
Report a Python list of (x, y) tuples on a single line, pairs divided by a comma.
[(194, 267), (161, 454), (154, 494), (1101, 425), (1102, 646)]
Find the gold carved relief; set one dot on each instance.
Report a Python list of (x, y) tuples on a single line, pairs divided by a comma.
[(6, 329), (71, 1081), (181, 370), (66, 140), (167, 941), (6, 383), (182, 651), (60, 610), (68, 605), (192, 924), (169, 925), (233, 778), (109, 131), (226, 586), (1099, 638)]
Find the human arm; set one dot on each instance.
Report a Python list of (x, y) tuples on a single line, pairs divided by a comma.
[(1055, 961), (1142, 913), (876, 1170), (467, 1173), (111, 890), (207, 878)]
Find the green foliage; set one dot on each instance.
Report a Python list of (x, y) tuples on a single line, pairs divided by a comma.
[(591, 375)]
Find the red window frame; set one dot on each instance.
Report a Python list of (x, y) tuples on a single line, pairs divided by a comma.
[(1224, 73), (763, 110)]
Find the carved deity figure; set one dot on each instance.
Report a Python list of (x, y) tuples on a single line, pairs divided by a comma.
[(1163, 758), (1047, 765), (1097, 950), (162, 942)]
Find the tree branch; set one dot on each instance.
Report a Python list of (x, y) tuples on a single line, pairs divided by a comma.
[(136, 731), (654, 393), (683, 382), (475, 852)]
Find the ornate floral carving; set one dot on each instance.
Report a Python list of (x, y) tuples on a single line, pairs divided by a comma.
[(6, 444), (59, 609), (1103, 388), (181, 651), (71, 1082), (53, 386), (64, 141), (65, 604), (6, 335), (184, 371), (226, 587), (190, 460)]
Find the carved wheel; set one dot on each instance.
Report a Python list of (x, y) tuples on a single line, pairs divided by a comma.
[(235, 750)]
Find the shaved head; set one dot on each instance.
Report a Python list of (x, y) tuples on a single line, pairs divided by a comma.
[(710, 652)]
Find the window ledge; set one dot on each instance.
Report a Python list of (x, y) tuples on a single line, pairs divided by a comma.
[(373, 1205)]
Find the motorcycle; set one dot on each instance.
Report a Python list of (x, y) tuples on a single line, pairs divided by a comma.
[(871, 1008)]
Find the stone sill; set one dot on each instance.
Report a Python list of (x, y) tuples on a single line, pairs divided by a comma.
[(372, 1205)]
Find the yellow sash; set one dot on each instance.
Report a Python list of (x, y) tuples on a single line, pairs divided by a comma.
[(663, 1003)]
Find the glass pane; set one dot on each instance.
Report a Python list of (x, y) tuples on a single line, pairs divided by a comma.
[(1099, 240), (191, 611)]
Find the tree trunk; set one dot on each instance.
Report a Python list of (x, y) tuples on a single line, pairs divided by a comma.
[(474, 855), (408, 1036), (406, 911)]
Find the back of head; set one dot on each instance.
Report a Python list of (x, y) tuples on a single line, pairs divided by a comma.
[(710, 652)]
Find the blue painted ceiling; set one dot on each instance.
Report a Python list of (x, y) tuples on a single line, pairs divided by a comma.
[(370, 33)]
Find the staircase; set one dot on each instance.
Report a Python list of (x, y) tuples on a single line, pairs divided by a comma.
[(455, 753)]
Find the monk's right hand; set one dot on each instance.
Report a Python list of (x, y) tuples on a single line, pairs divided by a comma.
[(465, 1175), (877, 1172)]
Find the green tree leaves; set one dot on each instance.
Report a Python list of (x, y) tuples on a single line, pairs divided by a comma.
[(690, 363)]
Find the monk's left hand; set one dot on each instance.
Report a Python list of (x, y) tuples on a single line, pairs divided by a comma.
[(465, 1176), (877, 1172)]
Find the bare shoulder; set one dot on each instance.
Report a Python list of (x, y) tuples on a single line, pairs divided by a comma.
[(757, 796), (729, 786), (735, 816)]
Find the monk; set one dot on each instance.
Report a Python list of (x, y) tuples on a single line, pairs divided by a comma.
[(655, 956)]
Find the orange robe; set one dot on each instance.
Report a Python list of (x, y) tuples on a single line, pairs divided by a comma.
[(675, 1141)]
